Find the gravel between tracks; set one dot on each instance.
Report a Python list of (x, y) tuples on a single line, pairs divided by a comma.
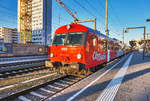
[(17, 81)]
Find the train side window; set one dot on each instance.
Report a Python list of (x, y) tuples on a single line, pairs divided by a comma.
[(112, 46), (100, 45), (94, 41), (109, 45), (104, 45)]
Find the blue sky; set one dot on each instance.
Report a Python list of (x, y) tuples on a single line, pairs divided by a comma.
[(122, 14)]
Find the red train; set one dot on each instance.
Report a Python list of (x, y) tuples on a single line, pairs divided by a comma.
[(76, 49)]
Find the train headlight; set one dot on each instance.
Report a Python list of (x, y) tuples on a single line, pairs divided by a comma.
[(68, 27), (51, 55), (79, 56)]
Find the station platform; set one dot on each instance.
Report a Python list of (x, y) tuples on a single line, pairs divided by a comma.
[(126, 79)]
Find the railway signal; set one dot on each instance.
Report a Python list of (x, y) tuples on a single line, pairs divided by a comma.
[(147, 20)]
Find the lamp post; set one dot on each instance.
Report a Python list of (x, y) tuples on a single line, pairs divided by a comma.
[(107, 32), (143, 36), (123, 36), (106, 19), (147, 35)]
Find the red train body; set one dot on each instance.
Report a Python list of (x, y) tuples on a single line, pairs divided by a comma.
[(77, 48)]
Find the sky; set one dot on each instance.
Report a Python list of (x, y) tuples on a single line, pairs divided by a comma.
[(121, 14)]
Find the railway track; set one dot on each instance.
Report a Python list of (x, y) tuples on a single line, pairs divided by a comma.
[(43, 91), (20, 68), (20, 72), (11, 66), (3, 59)]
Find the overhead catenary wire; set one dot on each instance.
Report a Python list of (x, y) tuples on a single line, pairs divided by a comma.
[(115, 14), (85, 9), (9, 16), (8, 9), (101, 4), (8, 13), (89, 12), (102, 16), (110, 8), (98, 10)]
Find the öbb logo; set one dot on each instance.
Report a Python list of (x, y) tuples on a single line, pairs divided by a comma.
[(98, 56)]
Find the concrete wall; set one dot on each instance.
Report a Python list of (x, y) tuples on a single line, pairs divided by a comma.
[(23, 50), (29, 49)]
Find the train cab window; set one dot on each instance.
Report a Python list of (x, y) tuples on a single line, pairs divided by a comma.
[(75, 38), (94, 41), (59, 39)]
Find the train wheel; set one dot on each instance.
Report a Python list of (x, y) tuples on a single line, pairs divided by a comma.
[(61, 70), (89, 72), (84, 72)]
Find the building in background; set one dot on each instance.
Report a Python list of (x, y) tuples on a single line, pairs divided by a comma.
[(1, 40), (41, 21), (1, 35), (8, 35), (14, 36)]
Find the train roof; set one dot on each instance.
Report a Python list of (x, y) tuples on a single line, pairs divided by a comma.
[(72, 28), (80, 28)]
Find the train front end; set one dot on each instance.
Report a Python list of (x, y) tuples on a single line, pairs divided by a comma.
[(67, 52)]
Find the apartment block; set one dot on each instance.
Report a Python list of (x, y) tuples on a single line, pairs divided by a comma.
[(41, 21), (8, 35)]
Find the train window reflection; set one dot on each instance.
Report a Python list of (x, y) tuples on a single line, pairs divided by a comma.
[(74, 38), (59, 39)]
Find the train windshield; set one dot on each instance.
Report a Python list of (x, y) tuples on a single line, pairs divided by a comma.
[(59, 39), (75, 38)]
